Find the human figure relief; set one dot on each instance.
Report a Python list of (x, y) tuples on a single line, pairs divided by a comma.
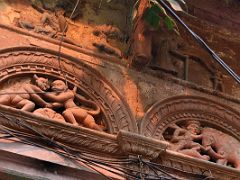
[(27, 95), (221, 147), (184, 140), (64, 97)]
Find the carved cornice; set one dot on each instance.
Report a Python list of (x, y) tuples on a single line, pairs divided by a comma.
[(124, 144), (77, 138), (29, 60), (134, 144), (80, 138), (185, 164)]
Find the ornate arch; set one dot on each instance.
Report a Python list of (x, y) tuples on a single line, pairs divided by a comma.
[(180, 109), (26, 61)]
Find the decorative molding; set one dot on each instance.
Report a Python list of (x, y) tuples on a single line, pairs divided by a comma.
[(20, 61), (134, 144), (185, 164), (121, 145), (77, 138)]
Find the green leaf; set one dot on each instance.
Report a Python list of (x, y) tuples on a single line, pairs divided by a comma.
[(152, 16), (169, 23)]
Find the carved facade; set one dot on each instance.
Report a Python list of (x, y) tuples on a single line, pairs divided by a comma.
[(89, 104)]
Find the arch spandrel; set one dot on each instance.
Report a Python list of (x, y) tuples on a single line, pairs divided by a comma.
[(24, 62)]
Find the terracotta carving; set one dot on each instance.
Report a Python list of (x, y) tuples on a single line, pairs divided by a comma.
[(185, 140), (50, 24), (58, 96), (49, 113), (26, 97), (205, 143), (217, 80), (152, 46), (57, 21), (64, 97), (220, 146), (99, 97)]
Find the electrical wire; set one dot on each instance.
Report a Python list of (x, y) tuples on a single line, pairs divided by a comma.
[(125, 172), (95, 162), (61, 40), (200, 41)]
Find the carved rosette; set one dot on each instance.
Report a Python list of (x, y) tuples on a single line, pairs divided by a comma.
[(25, 61)]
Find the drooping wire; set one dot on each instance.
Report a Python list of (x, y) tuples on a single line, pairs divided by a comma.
[(125, 172), (66, 154), (61, 41), (89, 161), (200, 41)]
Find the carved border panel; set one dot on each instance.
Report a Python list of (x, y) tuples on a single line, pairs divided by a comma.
[(20, 61), (180, 108)]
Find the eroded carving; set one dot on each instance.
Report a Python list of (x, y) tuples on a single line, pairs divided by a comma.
[(221, 147), (184, 122), (184, 140), (50, 24), (26, 96), (101, 100), (49, 113), (64, 97), (202, 142), (151, 44), (58, 96)]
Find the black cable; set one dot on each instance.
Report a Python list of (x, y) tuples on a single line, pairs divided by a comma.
[(201, 41), (160, 170), (94, 162), (55, 151), (61, 40), (45, 138), (66, 149)]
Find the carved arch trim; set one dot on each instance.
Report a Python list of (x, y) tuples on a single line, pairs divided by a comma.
[(183, 108), (25, 61)]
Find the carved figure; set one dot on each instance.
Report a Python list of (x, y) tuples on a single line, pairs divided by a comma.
[(217, 80), (183, 140), (50, 24), (220, 146), (153, 45), (57, 21), (26, 96), (49, 113), (73, 113)]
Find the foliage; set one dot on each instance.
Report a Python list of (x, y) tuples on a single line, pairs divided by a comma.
[(156, 13)]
